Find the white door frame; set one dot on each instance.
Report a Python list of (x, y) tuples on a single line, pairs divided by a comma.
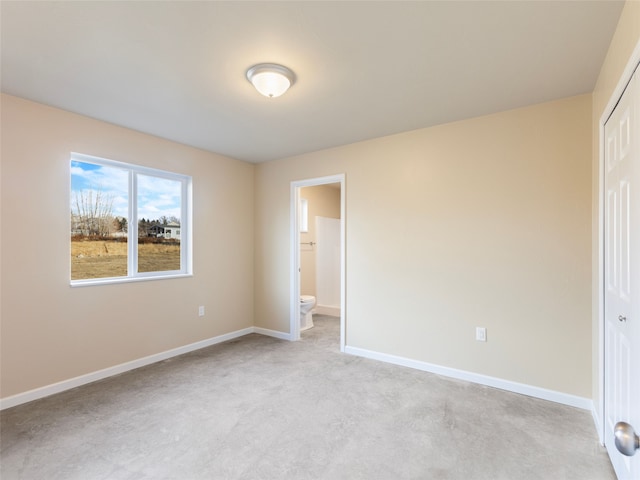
[(294, 314), (633, 62)]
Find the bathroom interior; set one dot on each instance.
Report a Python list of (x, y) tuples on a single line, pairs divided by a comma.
[(319, 252)]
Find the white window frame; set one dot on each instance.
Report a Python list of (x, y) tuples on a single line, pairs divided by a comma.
[(186, 215)]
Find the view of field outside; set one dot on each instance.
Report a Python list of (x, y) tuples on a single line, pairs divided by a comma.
[(108, 258), (99, 222)]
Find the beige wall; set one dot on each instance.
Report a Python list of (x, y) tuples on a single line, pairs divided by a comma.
[(323, 201), (624, 41), (52, 332), (484, 222)]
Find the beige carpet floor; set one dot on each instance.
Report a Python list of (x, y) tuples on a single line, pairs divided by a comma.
[(261, 408)]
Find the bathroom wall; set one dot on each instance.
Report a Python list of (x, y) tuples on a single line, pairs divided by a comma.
[(52, 332), (625, 40), (484, 222), (324, 201)]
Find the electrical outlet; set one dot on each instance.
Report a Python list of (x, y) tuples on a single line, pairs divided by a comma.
[(481, 334), (201, 311)]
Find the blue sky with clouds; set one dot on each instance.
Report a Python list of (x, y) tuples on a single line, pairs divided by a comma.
[(157, 196)]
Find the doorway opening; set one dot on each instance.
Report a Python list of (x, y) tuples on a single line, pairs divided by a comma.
[(330, 298)]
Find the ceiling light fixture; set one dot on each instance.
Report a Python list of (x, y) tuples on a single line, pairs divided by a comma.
[(270, 79)]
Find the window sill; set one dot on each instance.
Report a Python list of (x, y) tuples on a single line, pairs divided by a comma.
[(110, 281)]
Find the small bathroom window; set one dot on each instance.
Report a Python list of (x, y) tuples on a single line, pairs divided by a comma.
[(304, 215)]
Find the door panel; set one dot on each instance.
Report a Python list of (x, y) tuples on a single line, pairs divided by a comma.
[(622, 275)]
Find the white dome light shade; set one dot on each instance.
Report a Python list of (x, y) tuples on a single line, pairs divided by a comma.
[(270, 79)]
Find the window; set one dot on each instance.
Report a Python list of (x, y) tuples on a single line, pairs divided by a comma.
[(107, 197), (304, 215)]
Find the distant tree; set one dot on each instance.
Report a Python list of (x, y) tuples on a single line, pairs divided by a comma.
[(92, 213), (120, 224), (163, 220), (174, 219), (143, 227)]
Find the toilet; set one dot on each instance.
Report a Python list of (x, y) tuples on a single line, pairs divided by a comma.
[(307, 302)]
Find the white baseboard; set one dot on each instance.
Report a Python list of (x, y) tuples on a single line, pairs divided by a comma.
[(47, 390), (272, 333), (327, 310), (531, 391)]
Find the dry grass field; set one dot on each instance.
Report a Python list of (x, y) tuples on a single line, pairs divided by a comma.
[(108, 258)]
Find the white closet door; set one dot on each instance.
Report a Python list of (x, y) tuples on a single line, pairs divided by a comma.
[(622, 281)]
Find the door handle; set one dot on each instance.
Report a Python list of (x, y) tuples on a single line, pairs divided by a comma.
[(627, 442), (621, 318)]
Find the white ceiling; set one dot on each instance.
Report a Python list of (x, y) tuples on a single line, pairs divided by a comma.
[(364, 69)]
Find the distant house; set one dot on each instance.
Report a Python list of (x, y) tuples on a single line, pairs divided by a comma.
[(170, 231)]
